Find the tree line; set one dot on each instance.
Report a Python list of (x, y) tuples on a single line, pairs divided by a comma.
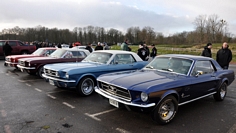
[(207, 29)]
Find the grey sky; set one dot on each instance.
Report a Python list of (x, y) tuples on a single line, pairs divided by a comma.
[(168, 16)]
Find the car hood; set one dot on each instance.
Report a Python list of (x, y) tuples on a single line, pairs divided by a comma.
[(142, 80), (36, 59), (21, 56), (73, 66)]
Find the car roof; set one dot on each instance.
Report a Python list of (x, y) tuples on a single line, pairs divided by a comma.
[(114, 51), (193, 57)]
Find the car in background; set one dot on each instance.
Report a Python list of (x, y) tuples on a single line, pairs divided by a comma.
[(165, 83), (18, 47), (35, 65), (81, 47), (12, 60), (82, 76)]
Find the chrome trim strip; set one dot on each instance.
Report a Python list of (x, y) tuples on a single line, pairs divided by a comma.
[(123, 102), (8, 62), (25, 67), (196, 98), (57, 79)]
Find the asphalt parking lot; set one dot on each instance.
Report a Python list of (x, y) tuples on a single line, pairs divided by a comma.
[(31, 105)]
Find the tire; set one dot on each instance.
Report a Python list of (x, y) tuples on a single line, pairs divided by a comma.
[(40, 72), (221, 92), (165, 111), (30, 73), (85, 86)]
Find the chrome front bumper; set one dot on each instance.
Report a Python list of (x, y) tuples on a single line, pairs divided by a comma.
[(23, 67), (124, 102), (57, 79)]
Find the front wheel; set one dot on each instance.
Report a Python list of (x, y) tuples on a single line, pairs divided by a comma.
[(165, 111), (85, 86), (40, 72), (221, 92)]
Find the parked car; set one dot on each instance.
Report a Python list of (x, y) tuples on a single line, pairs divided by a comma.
[(81, 47), (18, 47), (12, 60), (166, 83), (35, 65), (82, 76)]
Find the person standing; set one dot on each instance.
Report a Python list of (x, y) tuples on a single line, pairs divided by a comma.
[(99, 47), (124, 45), (224, 56), (89, 48), (6, 50), (142, 52), (147, 50), (207, 50), (153, 53)]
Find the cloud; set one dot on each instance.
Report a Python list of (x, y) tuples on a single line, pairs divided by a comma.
[(167, 17)]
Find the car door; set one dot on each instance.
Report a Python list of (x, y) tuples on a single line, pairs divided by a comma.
[(13, 45), (122, 62), (204, 83)]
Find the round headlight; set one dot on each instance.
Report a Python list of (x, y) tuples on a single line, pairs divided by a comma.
[(67, 75), (29, 64), (144, 96)]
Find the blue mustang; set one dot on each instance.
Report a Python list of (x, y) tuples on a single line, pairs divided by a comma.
[(82, 75), (165, 83)]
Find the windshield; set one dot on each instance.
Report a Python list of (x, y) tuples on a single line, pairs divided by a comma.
[(170, 64), (58, 53), (39, 52), (98, 57)]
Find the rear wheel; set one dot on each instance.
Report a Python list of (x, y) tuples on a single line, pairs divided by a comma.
[(221, 92), (85, 86), (165, 111)]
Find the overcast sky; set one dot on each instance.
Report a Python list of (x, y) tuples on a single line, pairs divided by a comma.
[(168, 17)]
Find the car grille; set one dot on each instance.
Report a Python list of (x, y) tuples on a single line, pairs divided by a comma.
[(50, 72), (115, 91)]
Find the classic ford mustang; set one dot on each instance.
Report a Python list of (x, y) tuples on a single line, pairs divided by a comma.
[(35, 65), (82, 75), (165, 83), (12, 60)]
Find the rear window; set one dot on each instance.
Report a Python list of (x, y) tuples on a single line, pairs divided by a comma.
[(2, 43)]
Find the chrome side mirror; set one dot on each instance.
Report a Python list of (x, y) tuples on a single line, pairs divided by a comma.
[(199, 73)]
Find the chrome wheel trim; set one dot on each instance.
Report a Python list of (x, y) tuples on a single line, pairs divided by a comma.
[(167, 109), (223, 91), (87, 86)]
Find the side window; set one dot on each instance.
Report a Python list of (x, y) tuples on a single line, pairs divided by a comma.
[(12, 43), (78, 54), (21, 43), (204, 66), (124, 59), (68, 54), (2, 43)]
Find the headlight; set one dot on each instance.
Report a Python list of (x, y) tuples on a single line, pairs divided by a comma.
[(29, 64), (144, 96), (67, 75), (57, 74)]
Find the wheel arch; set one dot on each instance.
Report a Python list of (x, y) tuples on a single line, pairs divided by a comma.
[(170, 93), (88, 75)]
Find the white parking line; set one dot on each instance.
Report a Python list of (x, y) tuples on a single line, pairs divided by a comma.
[(67, 104), (122, 130), (13, 77), (30, 80), (232, 129), (27, 84), (7, 74), (51, 96), (55, 91), (21, 80), (38, 90), (100, 113)]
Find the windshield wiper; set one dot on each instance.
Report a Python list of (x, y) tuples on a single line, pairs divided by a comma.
[(169, 70), (151, 67)]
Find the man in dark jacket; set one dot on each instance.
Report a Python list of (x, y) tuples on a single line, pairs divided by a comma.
[(142, 52), (99, 47), (207, 50), (153, 53), (6, 50), (224, 56), (89, 48)]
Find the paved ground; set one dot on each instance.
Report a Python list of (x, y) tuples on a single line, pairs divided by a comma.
[(30, 105)]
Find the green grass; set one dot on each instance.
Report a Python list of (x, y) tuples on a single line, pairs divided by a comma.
[(185, 49)]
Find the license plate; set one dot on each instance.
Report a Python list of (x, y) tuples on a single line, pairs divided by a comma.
[(22, 70), (51, 82), (114, 103)]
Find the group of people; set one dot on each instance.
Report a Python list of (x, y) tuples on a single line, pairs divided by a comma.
[(102, 46), (143, 51), (223, 55)]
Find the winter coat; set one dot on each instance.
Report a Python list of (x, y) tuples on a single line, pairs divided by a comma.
[(154, 52), (206, 52), (7, 49), (223, 57), (89, 49), (124, 46), (142, 53), (99, 47)]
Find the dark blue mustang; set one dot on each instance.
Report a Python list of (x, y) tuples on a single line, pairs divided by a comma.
[(165, 83)]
